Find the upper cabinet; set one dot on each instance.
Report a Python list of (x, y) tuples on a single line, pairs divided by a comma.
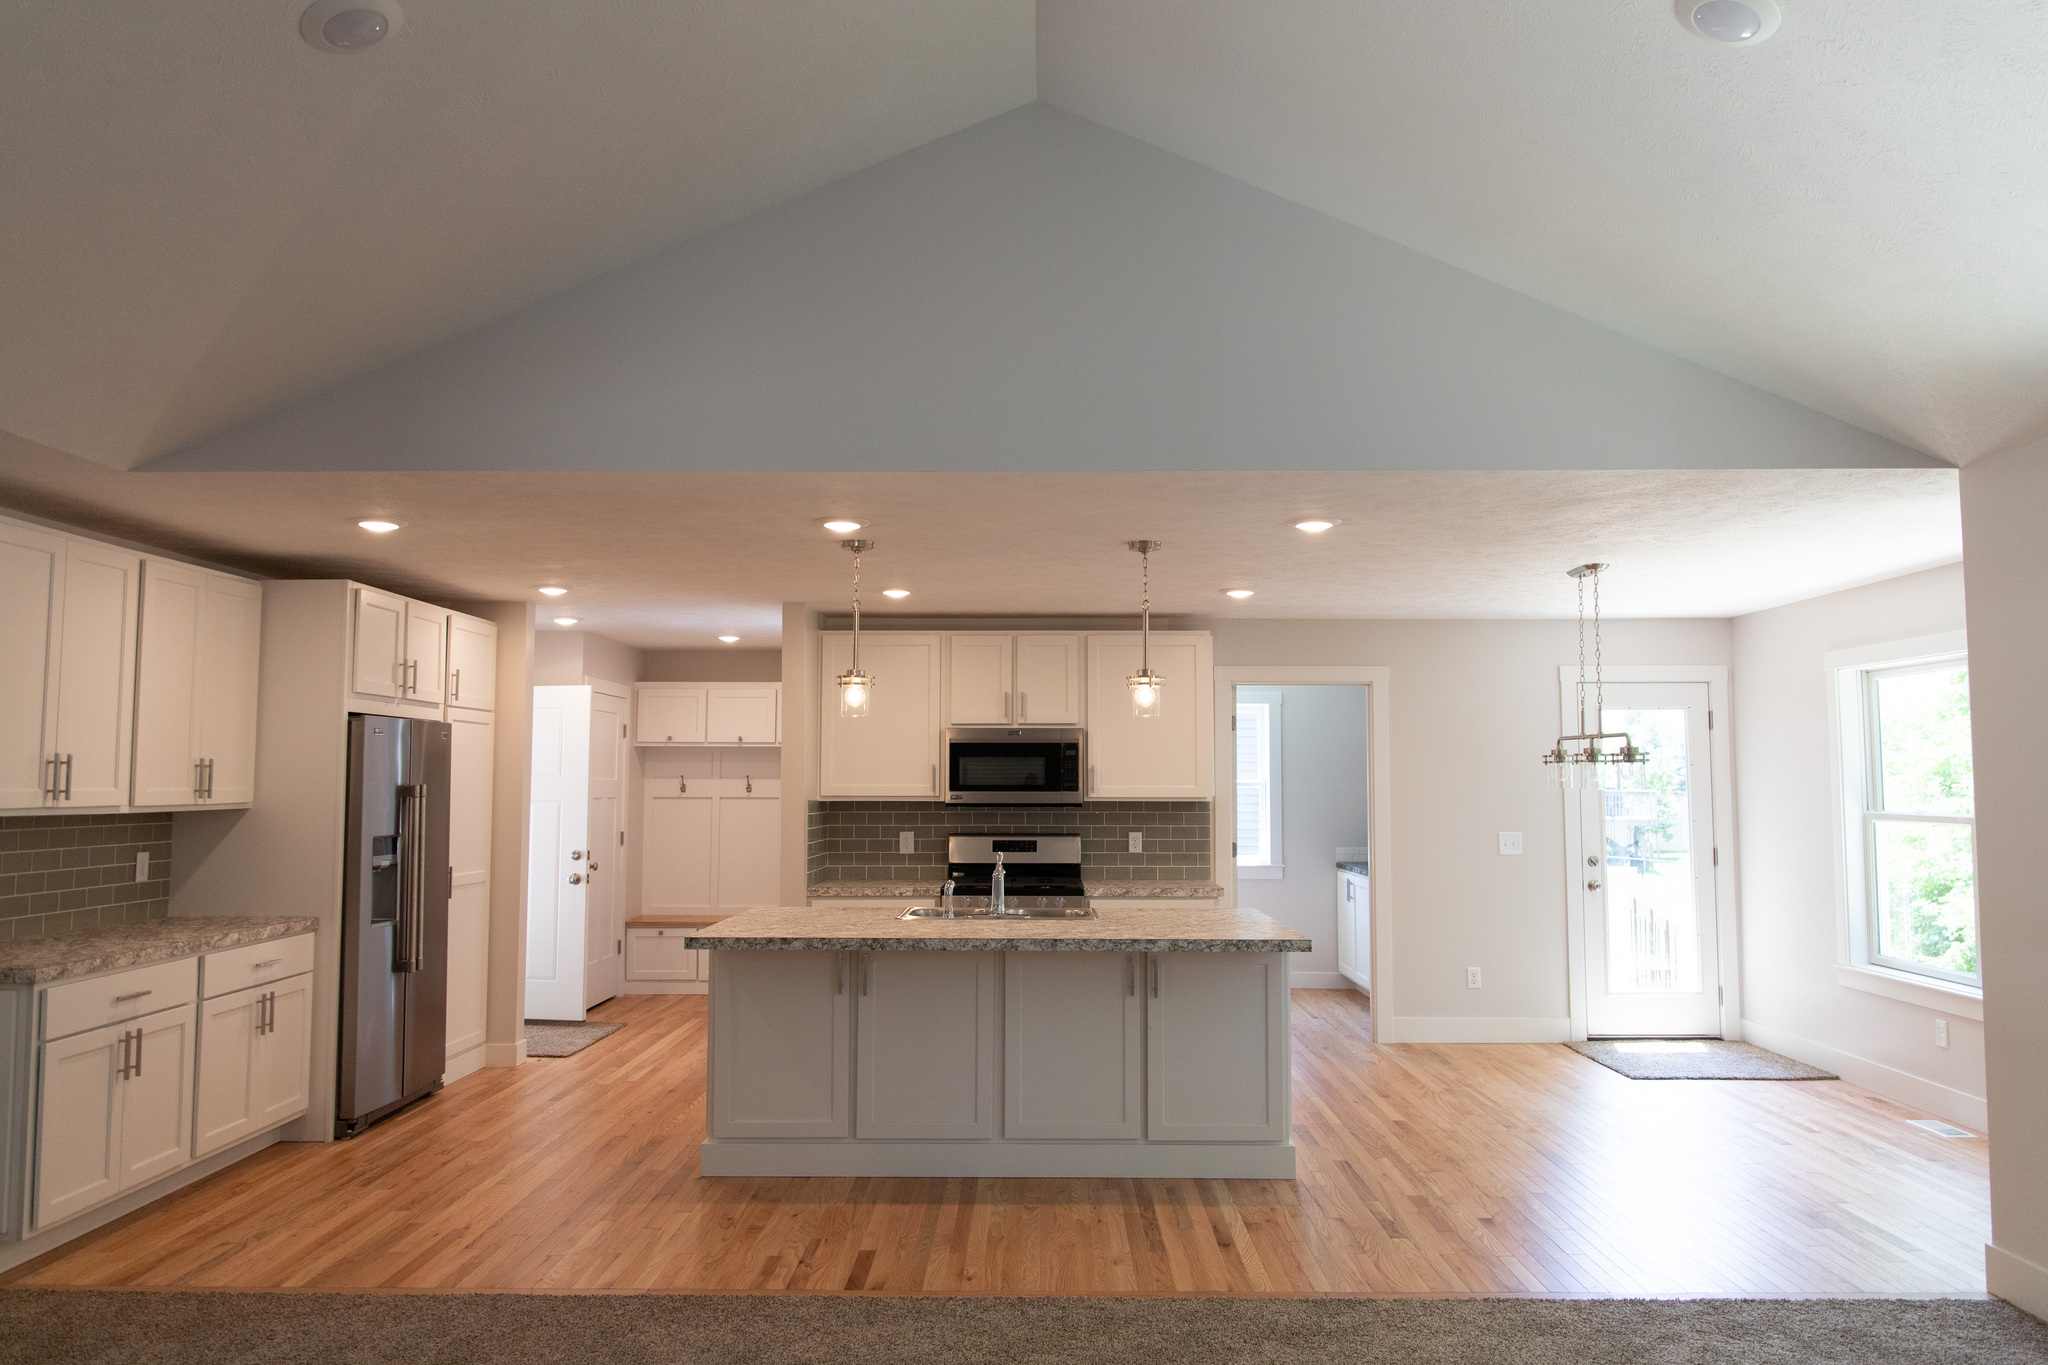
[(893, 751), (472, 662), (67, 673), (1166, 757), (426, 651), (400, 650), (707, 713), (196, 675), (1030, 679)]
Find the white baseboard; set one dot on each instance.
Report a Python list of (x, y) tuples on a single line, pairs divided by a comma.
[(1956, 1106), (1434, 1028), (505, 1054), (462, 1064), (2017, 1280), (35, 1244), (1069, 1160), (1321, 981), (667, 988)]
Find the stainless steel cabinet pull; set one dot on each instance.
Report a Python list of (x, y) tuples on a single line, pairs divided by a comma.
[(839, 975), (1006, 706), (867, 972), (935, 779), (50, 786), (138, 1053), (209, 779), (1155, 978), (1023, 700), (67, 777), (455, 684), (1091, 779), (268, 962), (132, 995), (1130, 974), (126, 1039)]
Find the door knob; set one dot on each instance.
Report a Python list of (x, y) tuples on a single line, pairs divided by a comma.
[(593, 867), (576, 854), (575, 879), (1592, 886)]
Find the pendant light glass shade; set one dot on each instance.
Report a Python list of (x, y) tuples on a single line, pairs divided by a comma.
[(1147, 687), (856, 688)]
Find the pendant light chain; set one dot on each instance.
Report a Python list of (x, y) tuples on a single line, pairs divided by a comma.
[(1582, 652), (1145, 614), (1579, 759), (1599, 673), (856, 611)]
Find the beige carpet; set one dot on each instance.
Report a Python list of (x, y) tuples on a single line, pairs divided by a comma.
[(1690, 1059), (57, 1327), (545, 1039)]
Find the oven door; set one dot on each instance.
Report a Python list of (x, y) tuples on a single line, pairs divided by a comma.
[(1003, 768)]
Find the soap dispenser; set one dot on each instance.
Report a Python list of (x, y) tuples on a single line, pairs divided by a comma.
[(996, 904)]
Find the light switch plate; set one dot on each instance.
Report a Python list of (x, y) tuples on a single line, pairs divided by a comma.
[(906, 841), (142, 867), (1511, 841), (1137, 841), (1941, 1033)]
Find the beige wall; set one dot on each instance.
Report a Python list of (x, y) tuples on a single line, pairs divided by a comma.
[(1787, 819), (1473, 705), (712, 665), (567, 657), (2005, 538)]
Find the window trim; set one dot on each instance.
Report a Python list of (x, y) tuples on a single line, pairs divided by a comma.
[(1850, 675), (1273, 699)]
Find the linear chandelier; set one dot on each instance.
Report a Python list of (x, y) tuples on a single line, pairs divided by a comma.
[(1580, 759)]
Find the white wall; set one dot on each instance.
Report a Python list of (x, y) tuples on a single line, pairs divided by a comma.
[(1473, 705), (2005, 535), (1786, 817), (1323, 756)]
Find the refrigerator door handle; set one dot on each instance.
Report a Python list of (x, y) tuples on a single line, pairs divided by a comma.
[(411, 878)]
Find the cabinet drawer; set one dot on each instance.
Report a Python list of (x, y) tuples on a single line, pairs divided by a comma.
[(79, 1005), (257, 963), (659, 955)]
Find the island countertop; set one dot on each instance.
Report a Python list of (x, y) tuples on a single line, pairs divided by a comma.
[(1120, 929)]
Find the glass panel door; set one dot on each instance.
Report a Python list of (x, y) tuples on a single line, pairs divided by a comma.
[(1646, 852)]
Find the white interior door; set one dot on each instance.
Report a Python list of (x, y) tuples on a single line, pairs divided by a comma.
[(603, 860), (559, 826), (1643, 872)]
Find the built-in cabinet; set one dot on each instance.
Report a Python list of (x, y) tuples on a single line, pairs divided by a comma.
[(658, 963), (733, 714), (255, 1041), (1013, 679), (1354, 928), (1169, 757), (399, 651), (782, 1045), (711, 832), (472, 663), (893, 751), (1216, 1047), (196, 679), (925, 1031), (1073, 1046)]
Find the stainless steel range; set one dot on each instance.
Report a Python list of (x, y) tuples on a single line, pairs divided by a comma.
[(1035, 866)]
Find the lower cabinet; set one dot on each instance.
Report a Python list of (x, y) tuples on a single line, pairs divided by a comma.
[(1073, 1046), (926, 1033), (781, 1044), (1354, 930), (114, 1111), (657, 954), (255, 1055), (1216, 1047)]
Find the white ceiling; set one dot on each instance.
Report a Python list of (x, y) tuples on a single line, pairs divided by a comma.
[(1853, 214), (665, 560)]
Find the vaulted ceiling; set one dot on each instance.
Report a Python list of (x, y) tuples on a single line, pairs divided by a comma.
[(205, 218)]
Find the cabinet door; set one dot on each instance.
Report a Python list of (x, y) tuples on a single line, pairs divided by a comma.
[(893, 751), (376, 667), (472, 663), (230, 643), (781, 1045), (659, 955), (471, 766), (167, 771), (749, 852), (927, 1029), (156, 1098), (676, 853), (1167, 757), (670, 715), (1216, 1047), (743, 714), (284, 1054), (1347, 925), (225, 1106), (31, 598), (979, 676), (1048, 680), (426, 650), (78, 1123), (96, 672), (1073, 1044)]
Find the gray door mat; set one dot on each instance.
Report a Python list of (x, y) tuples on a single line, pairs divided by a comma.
[(547, 1039), (1696, 1059)]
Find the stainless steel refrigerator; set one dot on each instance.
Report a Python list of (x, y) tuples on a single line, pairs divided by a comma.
[(394, 936)]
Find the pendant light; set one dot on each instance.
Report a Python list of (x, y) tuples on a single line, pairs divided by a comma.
[(1145, 685), (856, 689), (1580, 758)]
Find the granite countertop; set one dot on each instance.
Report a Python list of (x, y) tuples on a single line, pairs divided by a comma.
[(1351, 865), (1157, 891), (1120, 929), (88, 952)]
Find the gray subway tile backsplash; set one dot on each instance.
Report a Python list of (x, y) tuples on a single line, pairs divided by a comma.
[(856, 840), (61, 872)]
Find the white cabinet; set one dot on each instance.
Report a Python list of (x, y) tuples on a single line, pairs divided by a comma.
[(472, 765), (1073, 1046), (749, 868), (670, 713), (195, 693), (426, 652), (1354, 929), (114, 1111), (781, 1045), (744, 713), (67, 680), (926, 1030), (655, 953), (893, 751), (1216, 1047), (1166, 757), (472, 662), (255, 1061), (713, 847), (400, 649), (1030, 679)]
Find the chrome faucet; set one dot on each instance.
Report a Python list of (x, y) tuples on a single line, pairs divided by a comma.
[(946, 897), (997, 905)]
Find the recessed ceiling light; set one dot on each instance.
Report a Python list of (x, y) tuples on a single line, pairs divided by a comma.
[(1735, 23), (1237, 592), (1317, 524), (729, 639), (551, 592), (841, 526), (565, 620), (379, 525), (895, 592), (348, 25)]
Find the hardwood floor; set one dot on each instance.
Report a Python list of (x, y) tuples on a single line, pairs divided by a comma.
[(1424, 1169)]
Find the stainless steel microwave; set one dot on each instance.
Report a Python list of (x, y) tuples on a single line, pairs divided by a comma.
[(997, 766)]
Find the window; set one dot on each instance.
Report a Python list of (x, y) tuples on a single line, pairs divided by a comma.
[(1258, 719), (1912, 843)]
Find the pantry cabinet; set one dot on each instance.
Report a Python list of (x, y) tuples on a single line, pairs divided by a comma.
[(195, 694), (893, 751)]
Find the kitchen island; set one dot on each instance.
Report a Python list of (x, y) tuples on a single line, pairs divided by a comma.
[(1137, 1042)]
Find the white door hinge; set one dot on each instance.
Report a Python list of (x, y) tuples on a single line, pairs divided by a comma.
[(622, 838), (622, 729), (1720, 995), (1710, 720), (1233, 721), (1717, 857)]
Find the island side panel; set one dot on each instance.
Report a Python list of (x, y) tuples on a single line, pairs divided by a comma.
[(1073, 1046), (781, 1045), (1217, 1047)]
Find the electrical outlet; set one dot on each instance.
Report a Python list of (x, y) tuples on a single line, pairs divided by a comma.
[(142, 867), (1511, 841), (1471, 978), (906, 841), (1941, 1033), (1137, 841)]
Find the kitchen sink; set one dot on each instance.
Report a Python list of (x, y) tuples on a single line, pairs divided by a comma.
[(1016, 911)]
